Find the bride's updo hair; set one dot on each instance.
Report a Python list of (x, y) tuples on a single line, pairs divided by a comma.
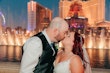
[(77, 47)]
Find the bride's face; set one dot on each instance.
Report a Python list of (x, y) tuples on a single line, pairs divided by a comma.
[(68, 40)]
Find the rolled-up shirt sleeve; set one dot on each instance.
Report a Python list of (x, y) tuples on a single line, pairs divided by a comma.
[(32, 51)]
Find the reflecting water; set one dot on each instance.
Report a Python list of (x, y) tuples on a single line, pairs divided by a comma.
[(99, 58), (10, 53)]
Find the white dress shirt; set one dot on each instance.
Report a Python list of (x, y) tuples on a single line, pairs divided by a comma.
[(32, 51)]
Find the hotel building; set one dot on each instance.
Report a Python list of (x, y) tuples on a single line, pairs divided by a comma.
[(97, 11), (38, 16)]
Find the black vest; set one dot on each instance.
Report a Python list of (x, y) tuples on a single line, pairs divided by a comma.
[(45, 64)]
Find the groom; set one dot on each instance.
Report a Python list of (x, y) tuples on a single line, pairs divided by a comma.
[(39, 54)]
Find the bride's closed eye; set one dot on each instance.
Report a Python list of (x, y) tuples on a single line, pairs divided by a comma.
[(68, 35)]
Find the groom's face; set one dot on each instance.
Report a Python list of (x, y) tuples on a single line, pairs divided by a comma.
[(62, 32), (61, 35)]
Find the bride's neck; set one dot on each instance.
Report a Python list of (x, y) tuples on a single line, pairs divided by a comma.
[(67, 50)]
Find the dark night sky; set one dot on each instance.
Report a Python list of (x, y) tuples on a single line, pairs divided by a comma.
[(15, 11), (107, 10)]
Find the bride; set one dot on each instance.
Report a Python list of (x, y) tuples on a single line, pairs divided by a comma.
[(70, 59)]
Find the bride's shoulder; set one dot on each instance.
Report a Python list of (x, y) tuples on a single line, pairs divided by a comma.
[(76, 64), (75, 58)]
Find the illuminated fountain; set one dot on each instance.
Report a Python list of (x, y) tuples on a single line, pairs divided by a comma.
[(102, 41), (99, 39), (9, 36), (13, 38)]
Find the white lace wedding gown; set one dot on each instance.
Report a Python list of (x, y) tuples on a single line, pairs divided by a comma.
[(62, 67)]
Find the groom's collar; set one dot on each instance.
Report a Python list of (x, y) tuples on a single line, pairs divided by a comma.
[(46, 36)]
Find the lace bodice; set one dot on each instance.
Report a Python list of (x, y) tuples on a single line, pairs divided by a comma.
[(62, 67)]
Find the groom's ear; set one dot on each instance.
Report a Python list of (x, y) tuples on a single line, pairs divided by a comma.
[(56, 32)]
